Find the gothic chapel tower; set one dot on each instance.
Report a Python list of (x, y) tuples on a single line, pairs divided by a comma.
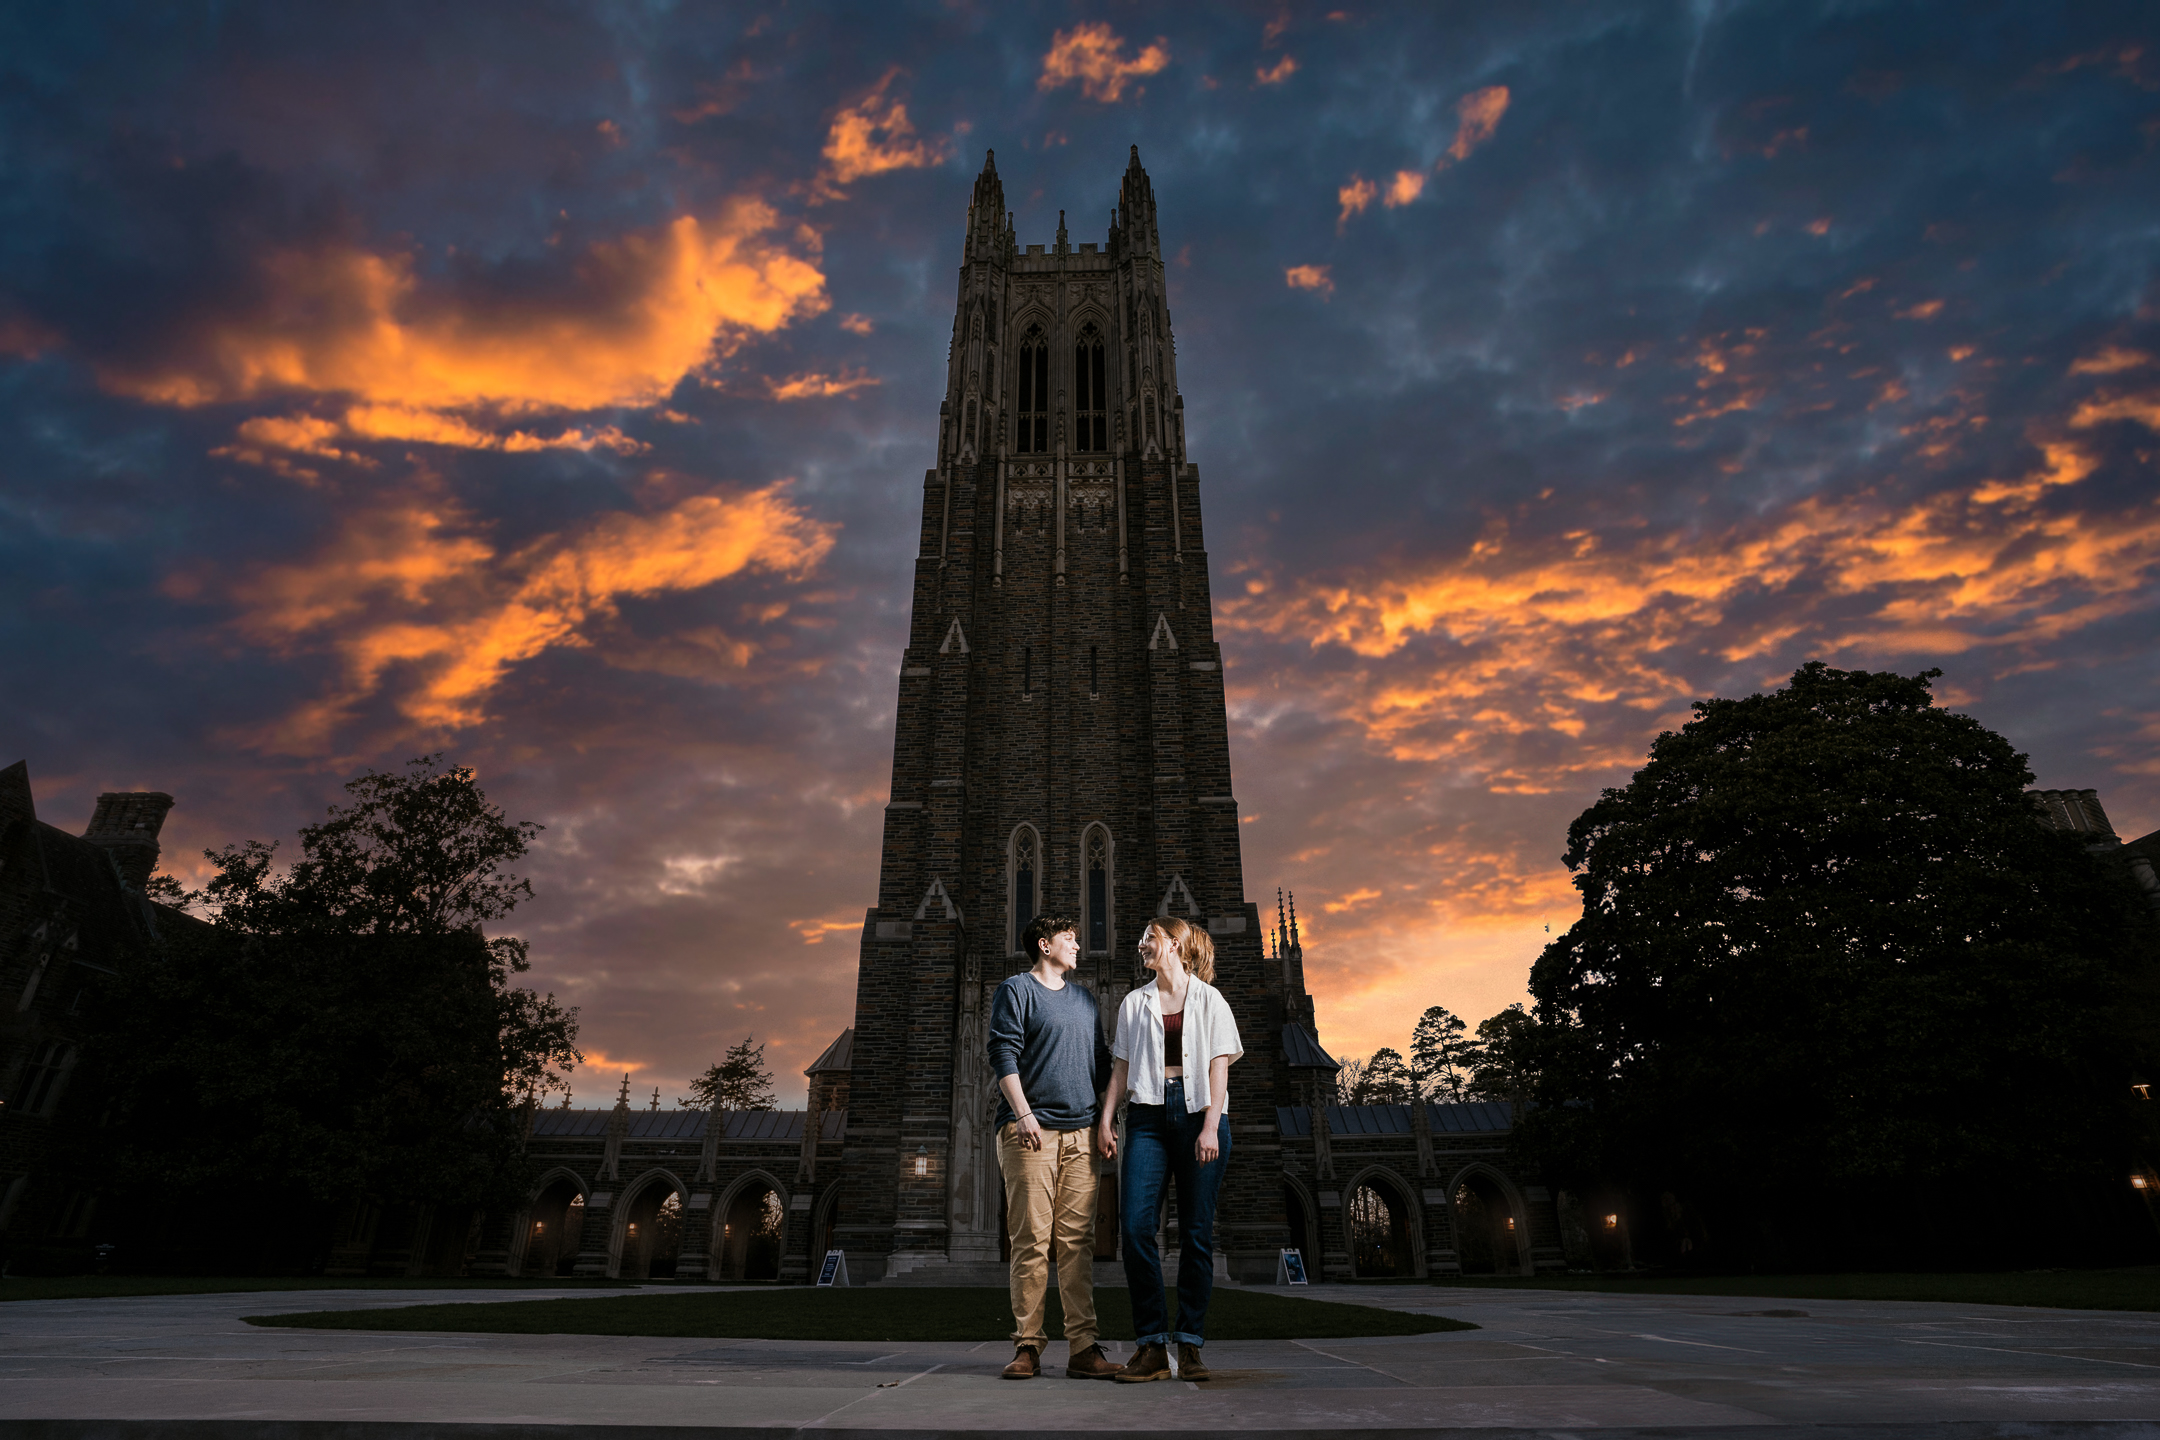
[(1062, 743)]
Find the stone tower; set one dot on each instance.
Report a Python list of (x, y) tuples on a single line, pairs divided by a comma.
[(1061, 737)]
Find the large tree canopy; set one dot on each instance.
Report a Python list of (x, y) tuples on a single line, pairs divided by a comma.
[(339, 1030), (1833, 978)]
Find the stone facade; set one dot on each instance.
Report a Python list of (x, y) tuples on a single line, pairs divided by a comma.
[(71, 910)]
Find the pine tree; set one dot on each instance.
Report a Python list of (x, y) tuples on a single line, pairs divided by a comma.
[(740, 1081), (1440, 1057), (1385, 1081)]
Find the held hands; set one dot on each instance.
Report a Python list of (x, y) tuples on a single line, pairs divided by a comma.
[(1106, 1139), (1029, 1131), (1208, 1149)]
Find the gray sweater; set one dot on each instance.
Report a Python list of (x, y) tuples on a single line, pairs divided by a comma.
[(1053, 1040)]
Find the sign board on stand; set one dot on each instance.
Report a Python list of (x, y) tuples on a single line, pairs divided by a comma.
[(834, 1271), (1290, 1268)]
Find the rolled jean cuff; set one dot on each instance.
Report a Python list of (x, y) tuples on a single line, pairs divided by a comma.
[(1159, 1338), (1179, 1337)]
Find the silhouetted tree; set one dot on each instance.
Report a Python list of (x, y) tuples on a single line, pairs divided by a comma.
[(1440, 1057), (740, 1081), (1833, 983), (1504, 1057), (1384, 1080), (344, 1028)]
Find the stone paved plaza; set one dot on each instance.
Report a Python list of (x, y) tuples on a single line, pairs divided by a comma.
[(1545, 1362)]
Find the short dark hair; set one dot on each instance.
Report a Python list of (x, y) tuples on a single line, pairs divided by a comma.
[(1044, 927)]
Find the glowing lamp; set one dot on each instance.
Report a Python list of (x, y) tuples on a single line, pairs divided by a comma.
[(922, 1160), (1612, 1222), (1511, 1222), (2140, 1182)]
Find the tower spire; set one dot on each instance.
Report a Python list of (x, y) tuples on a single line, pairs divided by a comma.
[(986, 208)]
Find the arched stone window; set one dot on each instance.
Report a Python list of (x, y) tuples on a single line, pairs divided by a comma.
[(1024, 871), (1034, 408), (1095, 888), (1091, 405)]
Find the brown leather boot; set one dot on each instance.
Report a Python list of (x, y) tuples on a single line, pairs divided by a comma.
[(1189, 1364), (1090, 1364), (1149, 1362), (1026, 1365)]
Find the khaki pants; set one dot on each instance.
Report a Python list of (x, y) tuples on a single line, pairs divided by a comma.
[(1050, 1200)]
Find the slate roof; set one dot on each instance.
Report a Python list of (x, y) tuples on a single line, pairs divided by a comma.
[(111, 921), (1300, 1049), (1485, 1117), (784, 1126), (838, 1056)]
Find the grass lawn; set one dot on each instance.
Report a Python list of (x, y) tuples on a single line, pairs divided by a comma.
[(955, 1313), (2134, 1288), (100, 1287)]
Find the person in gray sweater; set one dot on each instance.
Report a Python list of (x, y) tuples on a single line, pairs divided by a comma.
[(1052, 1063)]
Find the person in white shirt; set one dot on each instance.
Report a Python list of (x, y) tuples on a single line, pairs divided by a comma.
[(1175, 1042)]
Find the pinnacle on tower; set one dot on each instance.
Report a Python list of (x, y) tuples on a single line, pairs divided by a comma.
[(622, 1101), (1136, 233), (986, 207)]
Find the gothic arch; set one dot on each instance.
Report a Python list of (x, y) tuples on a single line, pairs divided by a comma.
[(1034, 382), (1090, 383), (1399, 1191), (521, 1225), (1023, 866), (1517, 1210), (716, 1246), (560, 1172), (1305, 1237), (618, 1225), (823, 1212), (1098, 901)]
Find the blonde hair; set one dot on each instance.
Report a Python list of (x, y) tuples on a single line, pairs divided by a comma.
[(1194, 947)]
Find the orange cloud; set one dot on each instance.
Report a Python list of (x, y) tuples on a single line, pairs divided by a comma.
[(1404, 188), (874, 135), (857, 324), (258, 439), (1468, 661), (821, 387), (813, 932), (1351, 901), (2111, 360), (1094, 55), (641, 313), (1355, 197), (1275, 74), (1477, 116), (411, 601), (1309, 277)]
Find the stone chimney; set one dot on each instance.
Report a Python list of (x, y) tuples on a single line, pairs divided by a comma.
[(126, 825)]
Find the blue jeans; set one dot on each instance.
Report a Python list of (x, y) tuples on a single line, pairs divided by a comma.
[(1159, 1141)]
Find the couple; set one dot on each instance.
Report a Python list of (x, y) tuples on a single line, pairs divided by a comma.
[(1059, 1089)]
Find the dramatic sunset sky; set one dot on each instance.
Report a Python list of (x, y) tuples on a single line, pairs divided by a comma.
[(553, 385)]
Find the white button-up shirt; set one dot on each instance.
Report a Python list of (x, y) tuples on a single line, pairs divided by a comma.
[(1210, 1030)]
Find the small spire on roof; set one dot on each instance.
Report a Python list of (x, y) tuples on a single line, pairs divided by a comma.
[(656, 1097), (623, 1100)]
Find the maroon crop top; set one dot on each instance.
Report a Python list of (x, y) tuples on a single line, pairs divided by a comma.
[(1173, 1039)]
